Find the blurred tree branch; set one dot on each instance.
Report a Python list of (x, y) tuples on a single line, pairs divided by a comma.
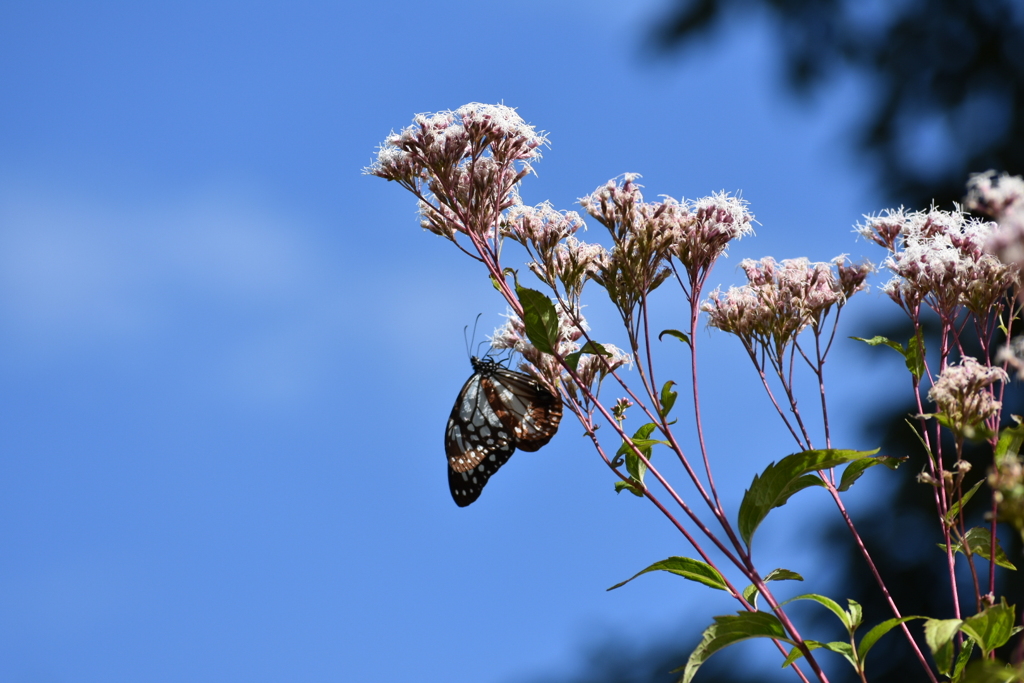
[(946, 79)]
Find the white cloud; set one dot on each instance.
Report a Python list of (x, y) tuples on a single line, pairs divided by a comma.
[(242, 287)]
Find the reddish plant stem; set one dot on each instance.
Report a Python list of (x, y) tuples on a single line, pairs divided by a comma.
[(878, 579)]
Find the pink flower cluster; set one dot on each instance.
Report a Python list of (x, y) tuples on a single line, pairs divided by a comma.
[(939, 258), (780, 299)]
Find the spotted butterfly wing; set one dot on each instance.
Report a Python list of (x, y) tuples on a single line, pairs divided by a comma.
[(497, 411)]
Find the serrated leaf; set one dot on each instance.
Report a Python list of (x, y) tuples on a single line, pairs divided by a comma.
[(573, 359), (979, 541), (675, 333), (855, 469), (539, 319), (732, 629), (686, 567), (668, 398), (991, 627), (773, 487), (876, 632), (750, 592), (954, 509)]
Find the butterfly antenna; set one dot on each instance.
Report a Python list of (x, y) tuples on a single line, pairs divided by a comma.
[(467, 340)]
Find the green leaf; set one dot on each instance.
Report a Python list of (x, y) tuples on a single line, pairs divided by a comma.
[(634, 465), (995, 671), (991, 627), (954, 509), (668, 399), (878, 339), (915, 358), (912, 355), (961, 659), (636, 490), (773, 487), (573, 359), (1010, 441), (750, 592), (830, 604), (781, 574), (732, 629), (675, 333), (845, 649), (876, 632), (856, 468), (856, 613), (686, 567), (979, 541), (539, 319), (939, 633)]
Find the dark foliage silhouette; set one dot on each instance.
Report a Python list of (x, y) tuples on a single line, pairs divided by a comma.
[(946, 79)]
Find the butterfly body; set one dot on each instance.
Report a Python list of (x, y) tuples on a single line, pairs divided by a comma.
[(497, 411)]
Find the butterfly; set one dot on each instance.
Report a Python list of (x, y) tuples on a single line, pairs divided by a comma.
[(497, 411)]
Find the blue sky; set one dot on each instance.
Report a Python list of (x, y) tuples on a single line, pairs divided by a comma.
[(227, 357)]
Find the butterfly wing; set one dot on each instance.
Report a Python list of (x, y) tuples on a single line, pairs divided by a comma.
[(497, 411), (525, 406), (476, 442)]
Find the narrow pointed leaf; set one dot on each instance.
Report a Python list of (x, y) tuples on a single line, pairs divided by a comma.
[(979, 540), (773, 487), (962, 659), (668, 398), (750, 592), (732, 629), (781, 574), (876, 632), (845, 649), (796, 653), (674, 333), (539, 319), (856, 613), (831, 604), (954, 509), (880, 340), (856, 468), (686, 567), (915, 358)]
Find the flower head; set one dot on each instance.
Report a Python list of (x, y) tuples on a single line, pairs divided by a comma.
[(463, 165), (939, 258), (962, 394), (780, 299)]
